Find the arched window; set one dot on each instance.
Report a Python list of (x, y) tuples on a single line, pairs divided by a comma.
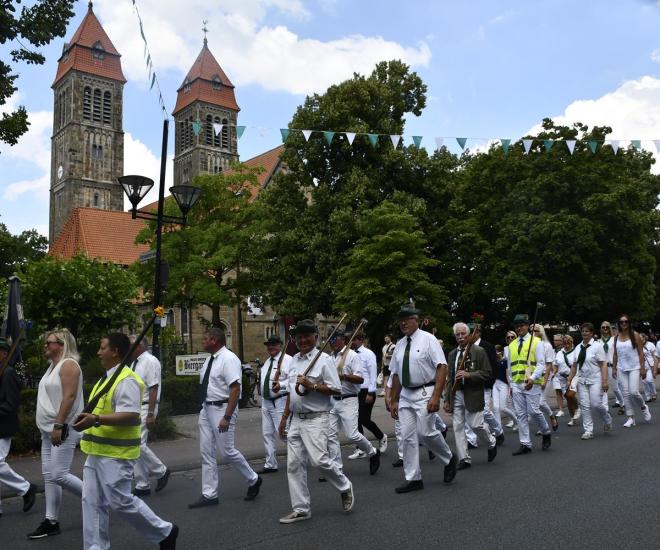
[(96, 198), (87, 103), (216, 137), (107, 108), (215, 81), (97, 50), (225, 133), (209, 130), (96, 106)]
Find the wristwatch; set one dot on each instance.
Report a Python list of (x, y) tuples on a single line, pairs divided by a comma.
[(97, 421)]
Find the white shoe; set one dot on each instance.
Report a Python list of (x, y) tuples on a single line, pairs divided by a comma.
[(383, 444), (357, 454), (587, 435), (510, 424), (577, 415), (629, 423), (381, 394), (539, 432), (296, 516), (571, 422), (647, 414), (559, 413)]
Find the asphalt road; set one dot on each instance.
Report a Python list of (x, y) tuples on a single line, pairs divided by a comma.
[(587, 494)]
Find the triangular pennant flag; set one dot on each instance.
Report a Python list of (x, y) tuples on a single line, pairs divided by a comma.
[(570, 143), (197, 127), (614, 144), (217, 128), (373, 138), (593, 145), (239, 131), (656, 142), (306, 133), (461, 142), (350, 136), (505, 145), (417, 140), (285, 133), (527, 144), (395, 140), (439, 143), (153, 81), (548, 143), (636, 143), (328, 136)]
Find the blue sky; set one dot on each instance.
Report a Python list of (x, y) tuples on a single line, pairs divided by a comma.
[(494, 69)]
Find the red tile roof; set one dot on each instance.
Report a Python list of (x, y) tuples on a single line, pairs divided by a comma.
[(270, 161), (198, 84), (78, 55), (101, 234)]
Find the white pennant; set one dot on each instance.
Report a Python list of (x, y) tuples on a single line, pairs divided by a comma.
[(614, 143), (395, 140), (306, 133), (570, 143), (527, 144), (656, 142), (350, 136), (438, 143), (217, 128)]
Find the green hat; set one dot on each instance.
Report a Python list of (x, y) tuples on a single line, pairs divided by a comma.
[(521, 319), (408, 310), (304, 326), (4, 344), (341, 333), (273, 339)]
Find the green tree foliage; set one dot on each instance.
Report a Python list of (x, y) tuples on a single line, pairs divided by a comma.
[(17, 250), (36, 25)]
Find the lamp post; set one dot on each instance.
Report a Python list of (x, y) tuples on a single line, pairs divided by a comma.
[(136, 188)]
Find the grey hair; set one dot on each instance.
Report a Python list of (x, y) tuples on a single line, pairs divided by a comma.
[(460, 325)]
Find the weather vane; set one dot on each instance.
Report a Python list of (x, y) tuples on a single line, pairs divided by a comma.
[(205, 29)]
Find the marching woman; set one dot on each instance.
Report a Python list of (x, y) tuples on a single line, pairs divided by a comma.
[(502, 389), (628, 363), (539, 332), (651, 363), (59, 402), (607, 339), (564, 362), (590, 360)]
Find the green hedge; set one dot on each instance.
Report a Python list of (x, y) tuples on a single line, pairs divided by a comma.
[(181, 392)]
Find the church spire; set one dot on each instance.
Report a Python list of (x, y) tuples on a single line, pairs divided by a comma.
[(204, 30)]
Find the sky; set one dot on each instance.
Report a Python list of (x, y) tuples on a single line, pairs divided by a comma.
[(494, 69)]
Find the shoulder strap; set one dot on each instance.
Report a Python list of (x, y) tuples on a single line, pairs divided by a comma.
[(105, 389)]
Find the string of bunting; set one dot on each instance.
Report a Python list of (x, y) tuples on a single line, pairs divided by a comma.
[(152, 78), (395, 139)]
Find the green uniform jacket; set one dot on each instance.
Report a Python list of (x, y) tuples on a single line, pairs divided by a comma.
[(473, 388)]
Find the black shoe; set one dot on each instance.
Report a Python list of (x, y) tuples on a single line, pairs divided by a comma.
[(547, 441), (29, 497), (463, 465), (398, 463), (253, 490), (374, 462), (161, 483), (444, 433), (616, 405), (492, 453), (470, 446), (523, 450), (203, 501), (46, 529), (322, 479), (450, 470), (409, 486), (169, 542), (141, 492), (499, 438), (267, 471), (431, 455)]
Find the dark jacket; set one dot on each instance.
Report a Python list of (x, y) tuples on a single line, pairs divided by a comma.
[(10, 399), (473, 388)]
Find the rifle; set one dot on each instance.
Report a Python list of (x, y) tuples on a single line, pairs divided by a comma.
[(12, 350), (528, 370)]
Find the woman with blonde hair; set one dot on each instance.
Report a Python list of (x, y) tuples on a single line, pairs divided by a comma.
[(548, 359), (59, 402)]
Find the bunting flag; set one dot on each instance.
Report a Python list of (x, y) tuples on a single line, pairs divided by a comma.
[(153, 81), (548, 143), (306, 133), (239, 131), (636, 143), (328, 136), (593, 145), (527, 144), (505, 145), (570, 143), (614, 144), (461, 142), (285, 133), (350, 136), (217, 128), (373, 139), (417, 140), (395, 140), (197, 127), (439, 142)]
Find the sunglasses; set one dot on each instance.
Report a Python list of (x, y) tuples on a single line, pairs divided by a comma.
[(604, 328), (52, 342), (623, 321)]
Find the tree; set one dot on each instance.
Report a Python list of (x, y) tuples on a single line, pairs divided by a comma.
[(36, 25), (17, 250)]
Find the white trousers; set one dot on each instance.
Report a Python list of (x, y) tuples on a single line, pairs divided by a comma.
[(494, 423), (591, 399), (417, 425), (344, 416), (461, 418), (526, 404), (56, 469), (307, 444), (148, 465), (631, 396), (399, 441), (543, 405), (107, 486), (649, 384), (439, 422), (212, 442), (617, 388), (271, 415), (501, 401), (8, 476)]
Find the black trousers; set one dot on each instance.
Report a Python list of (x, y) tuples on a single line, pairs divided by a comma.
[(364, 414)]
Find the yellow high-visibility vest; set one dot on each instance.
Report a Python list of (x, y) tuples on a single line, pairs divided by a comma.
[(519, 360)]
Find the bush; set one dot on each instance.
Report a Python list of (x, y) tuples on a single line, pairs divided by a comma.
[(181, 392), (165, 428), (28, 438)]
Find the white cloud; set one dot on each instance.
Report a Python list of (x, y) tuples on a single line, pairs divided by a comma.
[(655, 55), (250, 51), (139, 159)]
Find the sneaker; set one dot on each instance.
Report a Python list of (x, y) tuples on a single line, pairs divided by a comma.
[(509, 424), (647, 414), (253, 490), (357, 454), (374, 462), (169, 542), (571, 422), (161, 483), (139, 492), (381, 394), (629, 423), (587, 435), (577, 415), (29, 497), (296, 516), (46, 529), (398, 463), (348, 499), (559, 413), (383, 444)]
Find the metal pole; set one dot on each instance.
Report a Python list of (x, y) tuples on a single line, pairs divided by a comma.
[(159, 231)]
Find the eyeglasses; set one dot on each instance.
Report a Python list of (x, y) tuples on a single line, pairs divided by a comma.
[(52, 342), (605, 327), (623, 321)]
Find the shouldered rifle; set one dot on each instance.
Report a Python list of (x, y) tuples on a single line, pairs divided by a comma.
[(347, 348)]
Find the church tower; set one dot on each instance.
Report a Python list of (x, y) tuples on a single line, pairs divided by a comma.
[(205, 116), (87, 149)]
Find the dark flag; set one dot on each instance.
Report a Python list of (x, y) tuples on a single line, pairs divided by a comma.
[(14, 323)]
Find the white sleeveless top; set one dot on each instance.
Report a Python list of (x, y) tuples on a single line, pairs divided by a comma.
[(49, 398), (626, 356)]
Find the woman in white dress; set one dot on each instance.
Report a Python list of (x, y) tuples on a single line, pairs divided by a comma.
[(59, 402), (651, 363)]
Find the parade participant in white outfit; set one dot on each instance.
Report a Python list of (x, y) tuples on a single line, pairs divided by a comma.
[(651, 363), (526, 359), (147, 367), (273, 398), (387, 351), (615, 384), (494, 423), (418, 371), (112, 444), (220, 388), (628, 363), (308, 433), (59, 402), (563, 363), (502, 389), (539, 332), (559, 374), (590, 360), (508, 338), (344, 413), (398, 463)]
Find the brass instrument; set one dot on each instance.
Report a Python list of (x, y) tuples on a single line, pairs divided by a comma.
[(347, 348)]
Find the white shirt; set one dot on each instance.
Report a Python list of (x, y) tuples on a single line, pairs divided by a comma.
[(539, 354), (127, 396), (49, 397), (387, 350), (657, 349), (225, 370), (147, 367), (283, 374), (353, 365), (563, 361), (610, 348), (590, 373), (649, 355), (425, 356), (324, 372), (627, 358), (549, 352), (369, 368)]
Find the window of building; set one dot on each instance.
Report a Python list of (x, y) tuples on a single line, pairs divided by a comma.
[(269, 331), (87, 103), (203, 163), (97, 50), (209, 130), (216, 82), (96, 198), (186, 86), (97, 152), (225, 133), (184, 321), (107, 107), (96, 106)]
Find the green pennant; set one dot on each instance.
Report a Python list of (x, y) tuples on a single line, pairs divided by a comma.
[(328, 136), (373, 138), (285, 133), (636, 143), (417, 141), (197, 127), (548, 143), (593, 144), (505, 145), (461, 142), (239, 131)]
